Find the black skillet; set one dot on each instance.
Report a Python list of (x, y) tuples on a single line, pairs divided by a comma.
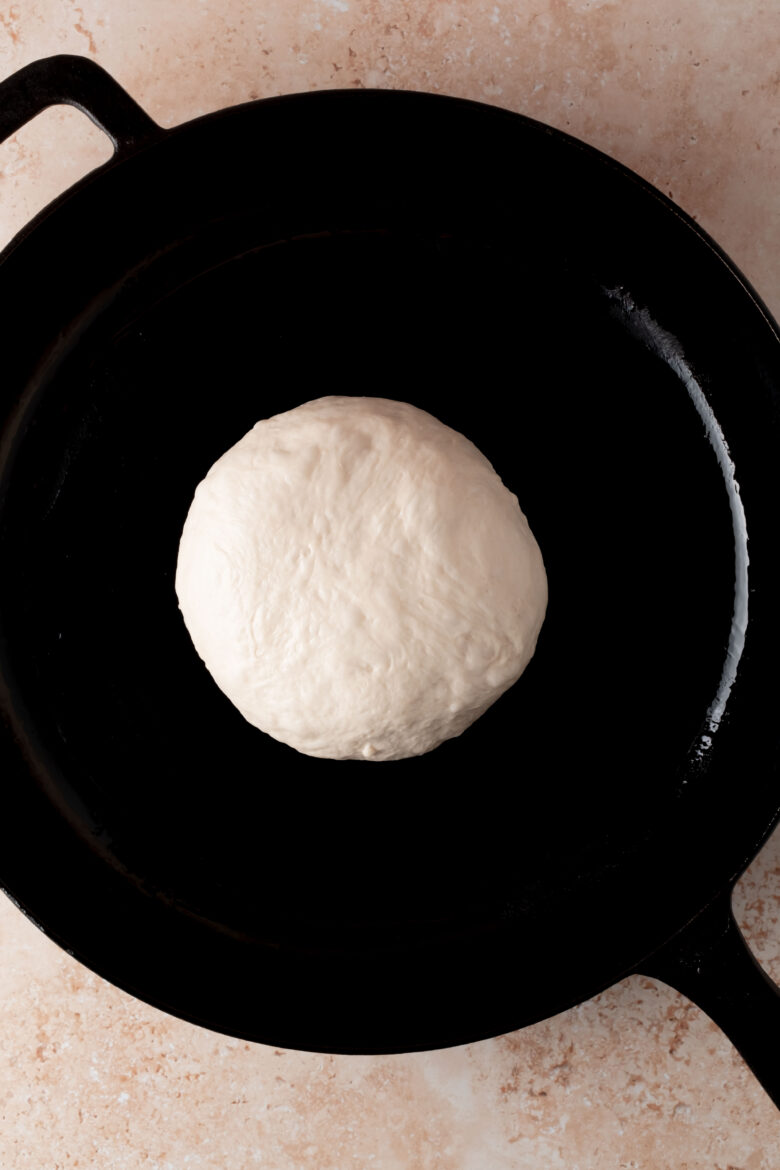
[(622, 377)]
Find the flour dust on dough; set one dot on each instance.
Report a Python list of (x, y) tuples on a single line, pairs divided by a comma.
[(358, 580)]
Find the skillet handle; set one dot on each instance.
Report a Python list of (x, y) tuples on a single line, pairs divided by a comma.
[(710, 963), (80, 82)]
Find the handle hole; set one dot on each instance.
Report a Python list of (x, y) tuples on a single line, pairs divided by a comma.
[(756, 901), (49, 154)]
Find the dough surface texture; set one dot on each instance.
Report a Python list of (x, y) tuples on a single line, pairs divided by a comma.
[(358, 580)]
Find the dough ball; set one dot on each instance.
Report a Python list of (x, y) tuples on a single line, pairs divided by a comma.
[(358, 580)]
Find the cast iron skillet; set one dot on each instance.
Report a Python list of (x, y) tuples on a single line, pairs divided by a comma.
[(622, 377)]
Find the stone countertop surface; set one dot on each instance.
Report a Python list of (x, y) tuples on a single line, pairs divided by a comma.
[(687, 95)]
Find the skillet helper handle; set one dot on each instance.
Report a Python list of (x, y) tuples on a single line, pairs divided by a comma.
[(710, 963), (80, 82)]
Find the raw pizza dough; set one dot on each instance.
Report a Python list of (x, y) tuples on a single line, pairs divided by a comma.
[(358, 580)]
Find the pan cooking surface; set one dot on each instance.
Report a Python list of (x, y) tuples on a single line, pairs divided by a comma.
[(570, 800), (610, 460)]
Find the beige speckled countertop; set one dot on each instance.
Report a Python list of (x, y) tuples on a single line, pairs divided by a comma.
[(685, 93)]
